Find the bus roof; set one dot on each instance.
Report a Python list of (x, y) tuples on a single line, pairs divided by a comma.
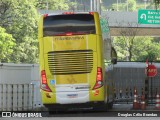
[(51, 14)]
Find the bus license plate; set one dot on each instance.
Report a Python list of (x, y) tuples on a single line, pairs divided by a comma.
[(72, 95)]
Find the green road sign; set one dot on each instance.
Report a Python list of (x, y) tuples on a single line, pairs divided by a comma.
[(149, 17)]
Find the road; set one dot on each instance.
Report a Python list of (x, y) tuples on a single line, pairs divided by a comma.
[(119, 110)]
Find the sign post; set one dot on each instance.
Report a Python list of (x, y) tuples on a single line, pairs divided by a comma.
[(149, 16)]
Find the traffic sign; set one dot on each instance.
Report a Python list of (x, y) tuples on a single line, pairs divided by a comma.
[(149, 17), (152, 71)]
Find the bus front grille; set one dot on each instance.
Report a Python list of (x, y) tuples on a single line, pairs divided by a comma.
[(70, 62)]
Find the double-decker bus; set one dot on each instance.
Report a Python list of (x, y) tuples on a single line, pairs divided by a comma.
[(71, 62)]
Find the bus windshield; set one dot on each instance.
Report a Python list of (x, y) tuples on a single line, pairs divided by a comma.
[(73, 24)]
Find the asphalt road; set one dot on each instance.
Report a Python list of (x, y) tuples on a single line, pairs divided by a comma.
[(119, 112)]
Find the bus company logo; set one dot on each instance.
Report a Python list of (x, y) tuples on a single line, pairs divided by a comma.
[(20, 115), (70, 38), (6, 114)]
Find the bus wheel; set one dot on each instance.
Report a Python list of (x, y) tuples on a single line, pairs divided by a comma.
[(110, 105), (52, 112), (101, 106)]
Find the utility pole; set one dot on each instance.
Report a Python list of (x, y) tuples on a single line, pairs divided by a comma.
[(98, 3), (145, 3), (47, 4), (127, 5), (95, 7), (117, 5), (91, 5), (75, 5)]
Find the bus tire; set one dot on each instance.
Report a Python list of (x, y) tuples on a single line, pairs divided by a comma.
[(51, 111), (110, 105), (100, 106)]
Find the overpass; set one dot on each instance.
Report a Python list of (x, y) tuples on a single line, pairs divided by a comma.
[(127, 23), (124, 24)]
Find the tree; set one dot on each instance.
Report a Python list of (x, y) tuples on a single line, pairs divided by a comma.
[(142, 48), (131, 5), (19, 18), (128, 36), (153, 52), (72, 6), (123, 6), (52, 4), (6, 45), (157, 3)]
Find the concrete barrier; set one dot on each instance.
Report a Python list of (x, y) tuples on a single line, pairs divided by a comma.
[(19, 87)]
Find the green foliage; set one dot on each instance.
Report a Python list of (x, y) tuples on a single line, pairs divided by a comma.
[(131, 5), (75, 6), (157, 3), (140, 49), (20, 19), (6, 45), (123, 6), (18, 30), (52, 4), (70, 5)]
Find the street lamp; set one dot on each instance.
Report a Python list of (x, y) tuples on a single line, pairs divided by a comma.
[(96, 5), (117, 5), (145, 3), (47, 4), (127, 5), (91, 5)]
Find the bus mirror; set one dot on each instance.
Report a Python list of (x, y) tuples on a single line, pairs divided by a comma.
[(114, 60), (113, 56)]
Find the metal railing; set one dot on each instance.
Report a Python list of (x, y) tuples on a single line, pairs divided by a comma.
[(16, 97), (128, 75)]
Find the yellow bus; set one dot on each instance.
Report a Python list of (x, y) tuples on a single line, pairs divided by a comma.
[(71, 62)]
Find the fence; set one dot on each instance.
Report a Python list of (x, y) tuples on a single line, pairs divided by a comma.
[(16, 97), (19, 84), (127, 75), (19, 87)]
